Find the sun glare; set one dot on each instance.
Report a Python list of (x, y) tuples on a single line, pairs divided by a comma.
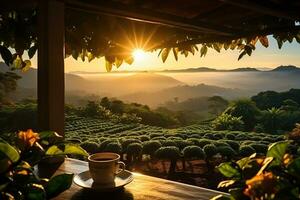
[(139, 54)]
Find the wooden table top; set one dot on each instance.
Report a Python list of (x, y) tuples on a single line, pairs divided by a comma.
[(141, 188)]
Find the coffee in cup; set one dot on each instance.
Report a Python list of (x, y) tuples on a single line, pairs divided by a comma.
[(104, 167)]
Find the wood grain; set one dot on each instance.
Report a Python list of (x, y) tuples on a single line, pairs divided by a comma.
[(142, 188)]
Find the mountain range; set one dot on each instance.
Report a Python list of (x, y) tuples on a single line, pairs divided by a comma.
[(157, 88)]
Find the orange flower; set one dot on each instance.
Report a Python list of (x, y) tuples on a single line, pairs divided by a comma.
[(287, 159), (261, 185), (28, 138)]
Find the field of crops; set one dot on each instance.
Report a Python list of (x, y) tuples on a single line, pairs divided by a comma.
[(97, 135)]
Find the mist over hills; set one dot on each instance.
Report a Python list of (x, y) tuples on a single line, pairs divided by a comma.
[(182, 93), (156, 88)]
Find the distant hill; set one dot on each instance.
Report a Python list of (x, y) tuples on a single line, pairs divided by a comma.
[(286, 68), (207, 69), (182, 93)]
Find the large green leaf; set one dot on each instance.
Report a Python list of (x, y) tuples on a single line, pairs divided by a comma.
[(9, 151), (277, 151), (31, 51), (230, 170), (68, 149), (58, 184), (164, 54), (75, 149), (6, 55), (49, 134), (294, 168), (36, 192)]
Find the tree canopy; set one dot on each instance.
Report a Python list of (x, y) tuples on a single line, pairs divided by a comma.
[(90, 35)]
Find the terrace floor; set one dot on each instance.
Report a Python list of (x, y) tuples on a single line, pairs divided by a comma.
[(141, 188)]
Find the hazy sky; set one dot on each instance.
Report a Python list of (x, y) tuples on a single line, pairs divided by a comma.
[(262, 57)]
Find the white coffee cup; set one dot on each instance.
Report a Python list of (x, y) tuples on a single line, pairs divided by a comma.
[(104, 167)]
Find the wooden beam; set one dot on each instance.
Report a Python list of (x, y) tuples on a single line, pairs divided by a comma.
[(17, 5), (148, 16), (51, 65), (268, 10)]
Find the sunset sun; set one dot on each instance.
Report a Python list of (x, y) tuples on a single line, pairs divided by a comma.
[(139, 54)]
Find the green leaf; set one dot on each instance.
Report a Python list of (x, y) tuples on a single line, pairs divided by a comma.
[(90, 56), (277, 151), (68, 149), (129, 60), (203, 51), (75, 54), (264, 41), (18, 64), (75, 149), (294, 168), (36, 192), (26, 65), (118, 62), (175, 52), (10, 152), (54, 150), (221, 197), (225, 184), (31, 51), (244, 161), (217, 47), (108, 66), (58, 184), (49, 134), (242, 55), (6, 55), (230, 170), (164, 54)]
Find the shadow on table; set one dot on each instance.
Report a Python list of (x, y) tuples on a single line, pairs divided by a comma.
[(121, 194)]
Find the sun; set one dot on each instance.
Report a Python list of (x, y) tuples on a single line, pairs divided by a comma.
[(138, 54)]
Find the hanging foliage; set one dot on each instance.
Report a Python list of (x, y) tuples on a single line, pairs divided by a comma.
[(92, 36)]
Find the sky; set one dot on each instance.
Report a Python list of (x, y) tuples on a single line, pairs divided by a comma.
[(261, 58)]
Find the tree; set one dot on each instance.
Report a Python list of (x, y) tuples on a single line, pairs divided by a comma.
[(271, 120), (247, 110), (228, 122), (8, 84), (105, 103), (217, 104)]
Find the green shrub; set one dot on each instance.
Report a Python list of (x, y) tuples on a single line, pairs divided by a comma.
[(194, 141), (228, 122), (233, 144), (167, 143), (127, 142), (260, 148), (114, 147), (169, 153), (203, 142), (90, 147), (230, 136), (149, 147), (226, 151), (193, 152), (104, 143), (220, 143), (246, 151), (144, 138), (134, 149), (210, 150)]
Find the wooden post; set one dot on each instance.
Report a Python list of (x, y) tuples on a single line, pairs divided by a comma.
[(51, 83)]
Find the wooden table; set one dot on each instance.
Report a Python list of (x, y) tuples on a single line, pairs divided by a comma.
[(142, 188)]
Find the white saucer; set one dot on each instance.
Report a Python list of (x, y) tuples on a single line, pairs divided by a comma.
[(84, 180)]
